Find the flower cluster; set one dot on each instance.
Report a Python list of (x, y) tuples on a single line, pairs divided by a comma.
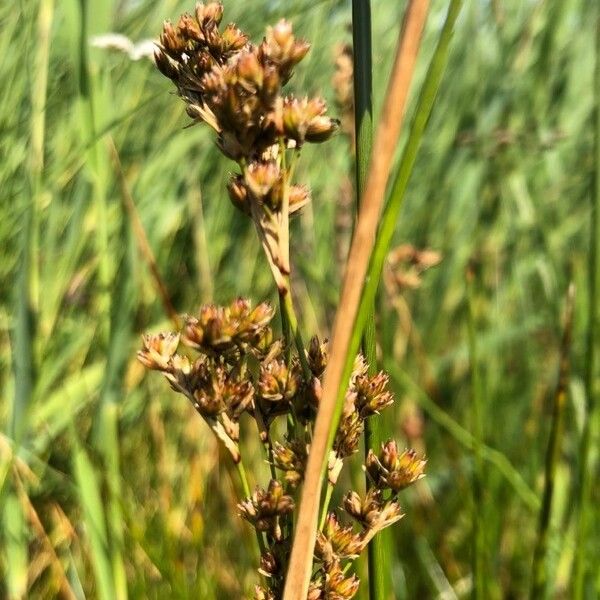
[(220, 383), (226, 360), (215, 381), (236, 87)]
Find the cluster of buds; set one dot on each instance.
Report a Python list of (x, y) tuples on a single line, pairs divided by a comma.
[(392, 469), (266, 508), (216, 381), (367, 396), (337, 545), (236, 87)]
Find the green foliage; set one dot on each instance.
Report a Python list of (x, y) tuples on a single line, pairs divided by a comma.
[(124, 477)]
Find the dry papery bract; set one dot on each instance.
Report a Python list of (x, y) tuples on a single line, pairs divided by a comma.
[(227, 360)]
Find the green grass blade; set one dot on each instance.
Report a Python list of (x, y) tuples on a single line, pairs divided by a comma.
[(15, 535), (586, 510), (23, 335), (95, 522), (539, 579), (363, 126), (478, 547)]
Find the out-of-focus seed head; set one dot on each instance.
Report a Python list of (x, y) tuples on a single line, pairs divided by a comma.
[(157, 350), (281, 47), (299, 197), (392, 469), (260, 177)]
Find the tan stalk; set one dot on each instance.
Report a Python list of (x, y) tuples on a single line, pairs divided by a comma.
[(299, 570)]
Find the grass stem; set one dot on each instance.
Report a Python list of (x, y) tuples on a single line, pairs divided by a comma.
[(584, 503), (363, 125), (539, 571), (478, 549)]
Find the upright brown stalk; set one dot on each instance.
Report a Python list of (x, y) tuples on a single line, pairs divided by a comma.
[(299, 569)]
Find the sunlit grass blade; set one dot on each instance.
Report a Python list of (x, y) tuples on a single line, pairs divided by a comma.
[(330, 405), (477, 413)]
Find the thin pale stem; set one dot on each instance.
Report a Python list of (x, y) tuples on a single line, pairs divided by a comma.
[(285, 298)]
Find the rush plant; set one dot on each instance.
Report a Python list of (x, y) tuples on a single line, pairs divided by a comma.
[(227, 360)]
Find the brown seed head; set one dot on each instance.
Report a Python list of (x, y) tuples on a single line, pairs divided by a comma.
[(291, 458), (337, 541), (394, 470), (338, 586), (157, 350), (264, 508), (372, 395)]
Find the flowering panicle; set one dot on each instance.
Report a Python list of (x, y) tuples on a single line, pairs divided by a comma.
[(236, 87), (226, 360)]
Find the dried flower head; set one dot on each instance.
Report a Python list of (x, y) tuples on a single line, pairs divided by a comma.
[(338, 586), (373, 512), (372, 395), (317, 356), (337, 541), (264, 508), (405, 266), (157, 350), (392, 469), (218, 328), (218, 390), (291, 458), (278, 381)]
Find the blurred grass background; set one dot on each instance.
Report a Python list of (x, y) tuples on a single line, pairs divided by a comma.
[(110, 486)]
